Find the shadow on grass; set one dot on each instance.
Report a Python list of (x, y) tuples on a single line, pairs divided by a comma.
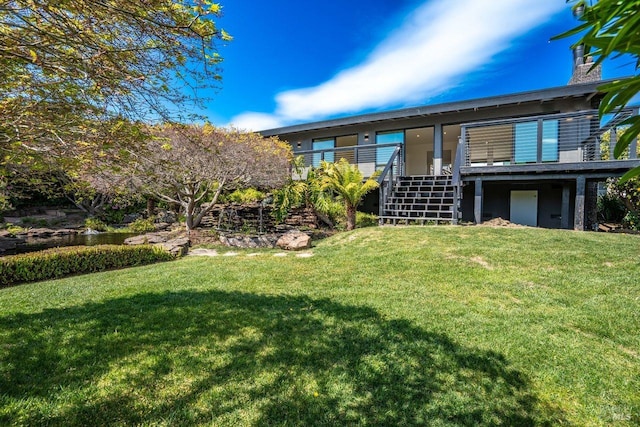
[(243, 359)]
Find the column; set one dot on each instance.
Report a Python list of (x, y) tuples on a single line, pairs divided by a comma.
[(477, 202), (581, 185), (564, 213), (437, 149)]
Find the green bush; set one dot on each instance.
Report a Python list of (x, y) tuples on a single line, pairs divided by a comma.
[(59, 262), (142, 225), (38, 222), (632, 221), (15, 229), (366, 220), (95, 224), (247, 195), (611, 208)]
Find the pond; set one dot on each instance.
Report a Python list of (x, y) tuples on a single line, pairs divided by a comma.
[(32, 244)]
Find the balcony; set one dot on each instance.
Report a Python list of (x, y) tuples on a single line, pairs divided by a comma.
[(544, 143)]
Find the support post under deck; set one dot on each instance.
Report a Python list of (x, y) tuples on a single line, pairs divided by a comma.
[(477, 202), (581, 186)]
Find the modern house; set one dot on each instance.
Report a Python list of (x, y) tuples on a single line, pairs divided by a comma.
[(534, 158)]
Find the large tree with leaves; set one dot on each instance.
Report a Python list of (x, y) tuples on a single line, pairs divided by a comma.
[(71, 70), (611, 28), (192, 165)]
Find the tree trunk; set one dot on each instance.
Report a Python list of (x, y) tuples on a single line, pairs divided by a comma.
[(151, 207), (351, 217)]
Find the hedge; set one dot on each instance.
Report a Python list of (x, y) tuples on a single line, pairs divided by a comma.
[(59, 262)]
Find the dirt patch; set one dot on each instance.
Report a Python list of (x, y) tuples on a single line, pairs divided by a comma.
[(482, 262), (500, 222)]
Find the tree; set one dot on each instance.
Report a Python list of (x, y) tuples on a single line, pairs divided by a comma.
[(609, 29), (347, 182), (70, 70), (627, 192), (191, 165)]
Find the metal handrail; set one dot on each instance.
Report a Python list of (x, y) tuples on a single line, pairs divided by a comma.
[(386, 184), (351, 147), (572, 143), (457, 163), (456, 179), (483, 123), (389, 166)]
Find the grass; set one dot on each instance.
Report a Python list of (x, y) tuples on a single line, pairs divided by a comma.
[(382, 326)]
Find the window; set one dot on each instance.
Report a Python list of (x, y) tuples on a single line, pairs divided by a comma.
[(550, 141), (322, 144), (526, 139), (383, 154)]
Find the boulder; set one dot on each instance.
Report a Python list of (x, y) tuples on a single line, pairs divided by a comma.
[(166, 216), (294, 240), (161, 226), (177, 247)]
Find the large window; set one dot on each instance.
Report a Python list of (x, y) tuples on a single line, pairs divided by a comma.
[(526, 141), (383, 154), (321, 144), (550, 141)]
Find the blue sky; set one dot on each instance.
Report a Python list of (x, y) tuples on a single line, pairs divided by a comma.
[(297, 61)]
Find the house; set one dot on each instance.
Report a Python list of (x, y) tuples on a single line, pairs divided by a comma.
[(534, 158)]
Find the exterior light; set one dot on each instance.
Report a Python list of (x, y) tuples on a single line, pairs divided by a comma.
[(366, 136)]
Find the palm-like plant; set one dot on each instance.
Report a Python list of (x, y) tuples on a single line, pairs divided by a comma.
[(347, 183)]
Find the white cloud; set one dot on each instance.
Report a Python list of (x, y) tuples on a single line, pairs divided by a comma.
[(256, 121), (437, 44)]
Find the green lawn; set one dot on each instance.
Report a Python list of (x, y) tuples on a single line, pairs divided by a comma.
[(382, 326)]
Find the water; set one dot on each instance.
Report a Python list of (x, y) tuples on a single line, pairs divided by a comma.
[(33, 245)]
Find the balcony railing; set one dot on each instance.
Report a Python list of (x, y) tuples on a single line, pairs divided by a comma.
[(369, 158), (556, 138)]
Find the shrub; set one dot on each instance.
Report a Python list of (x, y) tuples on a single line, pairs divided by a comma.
[(247, 195), (38, 222), (142, 225), (59, 262), (95, 224), (366, 220), (611, 207), (632, 220), (15, 229)]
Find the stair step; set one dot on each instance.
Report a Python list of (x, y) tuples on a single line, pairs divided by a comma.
[(421, 199)]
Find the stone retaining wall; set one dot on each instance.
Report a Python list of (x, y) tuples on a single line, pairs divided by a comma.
[(255, 218)]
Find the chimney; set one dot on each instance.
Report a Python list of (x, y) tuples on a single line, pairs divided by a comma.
[(582, 65)]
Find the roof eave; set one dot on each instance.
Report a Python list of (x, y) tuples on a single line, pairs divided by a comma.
[(541, 95)]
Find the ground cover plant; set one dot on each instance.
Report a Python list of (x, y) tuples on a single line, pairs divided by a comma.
[(381, 326)]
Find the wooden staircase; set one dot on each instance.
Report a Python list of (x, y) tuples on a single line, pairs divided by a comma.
[(422, 200)]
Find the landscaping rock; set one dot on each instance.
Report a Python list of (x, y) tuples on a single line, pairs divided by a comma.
[(40, 233), (64, 232), (145, 239), (294, 240), (239, 241), (166, 216), (9, 243), (177, 247), (160, 226), (129, 218)]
